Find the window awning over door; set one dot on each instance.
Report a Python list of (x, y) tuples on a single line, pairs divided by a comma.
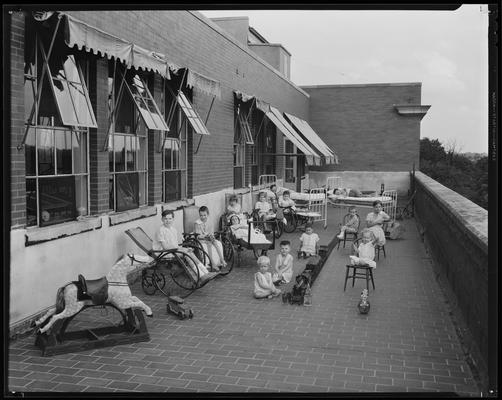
[(276, 117), (312, 138)]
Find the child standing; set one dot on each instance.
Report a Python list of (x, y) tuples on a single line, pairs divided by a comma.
[(210, 244), (365, 251), (283, 265), (263, 285), (351, 225), (308, 242)]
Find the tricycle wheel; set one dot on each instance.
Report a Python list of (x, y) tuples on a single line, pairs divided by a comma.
[(147, 284), (190, 314), (180, 315)]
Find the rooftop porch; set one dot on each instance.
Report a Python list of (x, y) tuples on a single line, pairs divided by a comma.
[(408, 342)]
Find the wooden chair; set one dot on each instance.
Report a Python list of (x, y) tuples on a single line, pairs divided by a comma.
[(358, 272), (349, 236)]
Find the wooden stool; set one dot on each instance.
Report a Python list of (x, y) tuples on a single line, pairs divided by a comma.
[(379, 248), (359, 272)]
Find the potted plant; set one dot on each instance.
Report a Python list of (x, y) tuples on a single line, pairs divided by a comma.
[(364, 304)]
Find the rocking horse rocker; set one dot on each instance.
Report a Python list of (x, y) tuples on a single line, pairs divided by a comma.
[(112, 291)]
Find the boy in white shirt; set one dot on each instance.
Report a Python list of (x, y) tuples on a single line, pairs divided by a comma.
[(308, 242)]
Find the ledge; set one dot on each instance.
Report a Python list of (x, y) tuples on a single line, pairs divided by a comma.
[(412, 109), (38, 235), (471, 217), (131, 215), (177, 205)]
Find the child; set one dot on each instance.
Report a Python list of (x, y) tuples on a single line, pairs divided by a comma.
[(167, 239), (210, 244), (263, 285), (233, 206), (283, 265), (351, 225), (365, 252), (286, 202), (308, 242), (264, 208), (240, 231), (375, 220)]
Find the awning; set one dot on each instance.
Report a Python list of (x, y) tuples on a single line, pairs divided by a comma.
[(276, 117), (94, 40), (260, 104), (313, 138), (203, 83), (192, 116)]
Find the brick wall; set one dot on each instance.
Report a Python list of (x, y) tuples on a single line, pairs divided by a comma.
[(17, 111), (191, 40), (455, 231), (360, 123)]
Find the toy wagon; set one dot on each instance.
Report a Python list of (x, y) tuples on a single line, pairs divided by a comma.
[(176, 305)]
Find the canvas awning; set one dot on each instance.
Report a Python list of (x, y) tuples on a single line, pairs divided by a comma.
[(276, 117), (94, 40), (260, 104), (312, 138)]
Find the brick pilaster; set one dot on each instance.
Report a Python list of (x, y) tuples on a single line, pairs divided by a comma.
[(99, 168), (15, 50), (154, 157)]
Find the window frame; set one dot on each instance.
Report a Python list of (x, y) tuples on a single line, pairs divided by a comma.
[(137, 137), (78, 134)]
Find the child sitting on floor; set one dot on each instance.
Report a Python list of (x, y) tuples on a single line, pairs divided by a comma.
[(308, 242), (283, 265), (365, 251), (351, 225), (263, 285)]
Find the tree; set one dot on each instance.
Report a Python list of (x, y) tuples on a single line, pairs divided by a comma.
[(454, 170)]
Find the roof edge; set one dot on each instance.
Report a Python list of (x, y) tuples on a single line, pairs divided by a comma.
[(361, 85)]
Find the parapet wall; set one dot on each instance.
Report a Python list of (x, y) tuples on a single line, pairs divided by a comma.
[(455, 232)]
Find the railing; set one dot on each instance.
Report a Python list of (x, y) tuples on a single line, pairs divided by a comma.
[(455, 233)]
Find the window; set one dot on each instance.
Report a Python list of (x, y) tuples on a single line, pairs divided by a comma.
[(290, 162), (56, 144), (254, 164), (132, 111), (239, 149), (174, 157)]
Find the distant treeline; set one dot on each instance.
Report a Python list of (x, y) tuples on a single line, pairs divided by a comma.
[(462, 173)]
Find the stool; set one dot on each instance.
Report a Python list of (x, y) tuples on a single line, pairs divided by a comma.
[(359, 272), (379, 248)]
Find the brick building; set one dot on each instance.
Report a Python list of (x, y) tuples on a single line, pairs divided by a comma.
[(134, 120)]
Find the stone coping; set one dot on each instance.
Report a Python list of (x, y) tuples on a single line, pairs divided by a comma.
[(472, 218), (37, 235)]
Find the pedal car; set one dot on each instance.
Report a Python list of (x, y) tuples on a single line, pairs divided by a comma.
[(297, 294), (176, 305)]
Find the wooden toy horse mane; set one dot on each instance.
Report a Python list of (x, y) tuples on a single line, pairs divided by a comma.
[(111, 290)]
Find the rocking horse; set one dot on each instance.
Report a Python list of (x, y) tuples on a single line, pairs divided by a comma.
[(112, 291)]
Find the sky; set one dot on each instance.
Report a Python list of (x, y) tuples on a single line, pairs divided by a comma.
[(445, 50)]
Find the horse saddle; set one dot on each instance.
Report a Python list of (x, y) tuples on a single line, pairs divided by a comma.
[(95, 289)]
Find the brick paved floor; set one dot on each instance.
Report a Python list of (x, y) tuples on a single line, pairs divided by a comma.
[(234, 343)]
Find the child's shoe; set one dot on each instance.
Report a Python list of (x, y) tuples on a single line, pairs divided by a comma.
[(340, 236)]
